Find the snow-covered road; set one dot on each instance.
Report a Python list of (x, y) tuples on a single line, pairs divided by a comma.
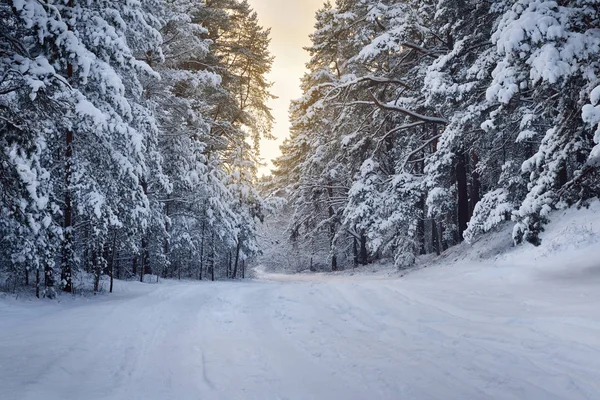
[(318, 337)]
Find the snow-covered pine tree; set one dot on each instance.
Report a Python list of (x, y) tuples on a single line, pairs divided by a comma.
[(34, 99), (549, 55)]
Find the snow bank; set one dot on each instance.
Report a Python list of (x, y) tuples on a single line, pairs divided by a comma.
[(570, 250)]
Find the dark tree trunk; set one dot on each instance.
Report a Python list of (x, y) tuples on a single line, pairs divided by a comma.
[(48, 280), (437, 245), (435, 226), (37, 283), (26, 276), (229, 264), (67, 244), (364, 255), (475, 194), (211, 257), (202, 249), (134, 265), (145, 256), (237, 259), (421, 236), (167, 245), (463, 195), (440, 235), (113, 260), (354, 251), (334, 266), (97, 265)]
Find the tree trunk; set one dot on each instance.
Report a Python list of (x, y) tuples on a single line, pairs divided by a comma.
[(49, 281), (463, 195), (212, 257), (37, 283), (228, 264), (145, 267), (202, 248), (112, 261), (167, 245), (145, 256), (27, 276), (237, 259), (364, 255), (440, 234), (437, 245), (97, 265), (134, 264), (354, 251), (67, 244), (331, 210), (474, 195)]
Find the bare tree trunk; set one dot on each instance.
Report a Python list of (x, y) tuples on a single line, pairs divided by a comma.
[(354, 251), (437, 245), (67, 244), (134, 263), (463, 195), (237, 258), (167, 245), (228, 264), (331, 227), (202, 248), (112, 261), (49, 279), (145, 255), (97, 263), (143, 258), (37, 282), (440, 235), (212, 257), (364, 255), (475, 193)]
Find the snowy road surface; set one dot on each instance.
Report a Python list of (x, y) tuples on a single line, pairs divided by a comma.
[(317, 337)]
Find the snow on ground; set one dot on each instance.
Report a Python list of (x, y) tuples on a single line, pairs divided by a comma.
[(482, 322)]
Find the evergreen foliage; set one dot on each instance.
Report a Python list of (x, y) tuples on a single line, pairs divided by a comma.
[(425, 123), (129, 138)]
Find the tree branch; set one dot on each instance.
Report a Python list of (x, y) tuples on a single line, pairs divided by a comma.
[(420, 117)]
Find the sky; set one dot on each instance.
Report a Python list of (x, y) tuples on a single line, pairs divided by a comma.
[(291, 21)]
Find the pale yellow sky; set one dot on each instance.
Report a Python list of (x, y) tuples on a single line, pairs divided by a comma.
[(291, 21)]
